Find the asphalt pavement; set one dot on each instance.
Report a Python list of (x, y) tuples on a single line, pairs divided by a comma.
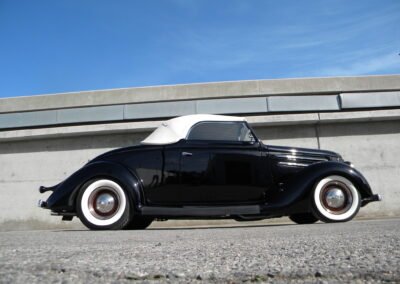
[(365, 251)]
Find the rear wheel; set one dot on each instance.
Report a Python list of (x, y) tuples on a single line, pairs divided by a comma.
[(103, 205), (303, 218), (335, 199)]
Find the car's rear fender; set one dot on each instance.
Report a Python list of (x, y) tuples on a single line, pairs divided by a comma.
[(64, 196), (298, 188)]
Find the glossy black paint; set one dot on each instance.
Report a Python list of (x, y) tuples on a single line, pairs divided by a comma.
[(191, 178), (200, 173)]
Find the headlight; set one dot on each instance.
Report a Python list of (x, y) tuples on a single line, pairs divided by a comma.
[(336, 159)]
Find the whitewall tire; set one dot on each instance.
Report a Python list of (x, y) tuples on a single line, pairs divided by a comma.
[(103, 204), (335, 199)]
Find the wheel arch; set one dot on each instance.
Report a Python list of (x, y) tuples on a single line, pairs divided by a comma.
[(65, 196), (300, 186), (349, 172)]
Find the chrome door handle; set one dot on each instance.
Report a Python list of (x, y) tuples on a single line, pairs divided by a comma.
[(187, 154)]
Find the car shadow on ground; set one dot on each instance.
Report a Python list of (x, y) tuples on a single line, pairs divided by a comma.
[(187, 228), (202, 227)]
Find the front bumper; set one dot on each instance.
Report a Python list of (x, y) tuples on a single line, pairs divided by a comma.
[(373, 198)]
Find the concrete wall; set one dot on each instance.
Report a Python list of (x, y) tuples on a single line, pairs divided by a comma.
[(251, 88), (265, 97), (29, 164), (30, 157)]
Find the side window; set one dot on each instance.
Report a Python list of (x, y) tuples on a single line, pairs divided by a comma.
[(221, 131)]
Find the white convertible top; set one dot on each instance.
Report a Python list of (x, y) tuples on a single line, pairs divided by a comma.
[(173, 130)]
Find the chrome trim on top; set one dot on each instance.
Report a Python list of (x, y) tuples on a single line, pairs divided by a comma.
[(295, 157)]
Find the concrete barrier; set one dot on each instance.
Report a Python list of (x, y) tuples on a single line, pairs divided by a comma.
[(364, 132)]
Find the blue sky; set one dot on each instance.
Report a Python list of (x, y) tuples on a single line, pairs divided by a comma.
[(53, 46)]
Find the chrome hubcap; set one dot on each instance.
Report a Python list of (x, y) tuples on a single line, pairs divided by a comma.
[(335, 198), (105, 203)]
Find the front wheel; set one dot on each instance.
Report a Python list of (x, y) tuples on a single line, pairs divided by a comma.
[(335, 199), (103, 205)]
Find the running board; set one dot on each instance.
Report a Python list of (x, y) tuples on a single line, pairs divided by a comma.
[(201, 210)]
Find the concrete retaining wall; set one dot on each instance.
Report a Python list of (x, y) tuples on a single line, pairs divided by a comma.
[(368, 136)]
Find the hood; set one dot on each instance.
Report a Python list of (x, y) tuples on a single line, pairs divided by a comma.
[(311, 155)]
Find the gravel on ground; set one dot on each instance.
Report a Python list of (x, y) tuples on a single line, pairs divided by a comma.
[(363, 251)]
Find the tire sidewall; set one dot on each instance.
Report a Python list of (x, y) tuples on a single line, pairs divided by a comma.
[(322, 214), (121, 217)]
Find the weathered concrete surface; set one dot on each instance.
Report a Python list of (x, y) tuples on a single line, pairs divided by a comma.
[(146, 126), (376, 156), (266, 104), (354, 252), (203, 91)]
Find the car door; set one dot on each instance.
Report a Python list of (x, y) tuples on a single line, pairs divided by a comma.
[(184, 177), (221, 163), (232, 175), (217, 171)]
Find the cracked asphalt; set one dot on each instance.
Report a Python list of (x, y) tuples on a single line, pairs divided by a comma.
[(364, 251)]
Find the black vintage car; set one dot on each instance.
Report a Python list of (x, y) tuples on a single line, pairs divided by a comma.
[(209, 166)]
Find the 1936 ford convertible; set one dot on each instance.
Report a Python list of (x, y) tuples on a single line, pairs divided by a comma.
[(209, 166)]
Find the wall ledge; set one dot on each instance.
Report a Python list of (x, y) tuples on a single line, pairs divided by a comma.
[(146, 126)]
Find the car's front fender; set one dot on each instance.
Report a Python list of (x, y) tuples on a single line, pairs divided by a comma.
[(64, 196), (299, 186)]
